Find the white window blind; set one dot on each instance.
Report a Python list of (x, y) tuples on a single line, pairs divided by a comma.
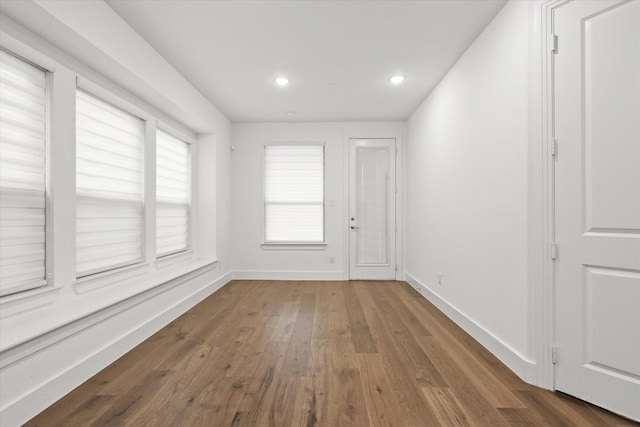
[(172, 194), (294, 193), (109, 201), (22, 175)]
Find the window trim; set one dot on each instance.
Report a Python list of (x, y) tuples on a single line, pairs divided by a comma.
[(175, 133), (25, 52), (110, 97), (293, 245), (49, 188), (288, 246)]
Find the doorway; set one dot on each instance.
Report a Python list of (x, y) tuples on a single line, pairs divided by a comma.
[(372, 208)]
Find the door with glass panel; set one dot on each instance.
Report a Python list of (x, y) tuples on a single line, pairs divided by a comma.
[(372, 220)]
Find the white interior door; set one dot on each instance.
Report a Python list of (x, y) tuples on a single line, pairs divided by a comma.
[(597, 126), (372, 209)]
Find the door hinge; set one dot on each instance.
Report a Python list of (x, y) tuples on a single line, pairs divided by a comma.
[(553, 43), (554, 250), (554, 147), (554, 354), (396, 267)]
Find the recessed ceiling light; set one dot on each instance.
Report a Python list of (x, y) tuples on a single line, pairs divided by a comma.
[(396, 80), (282, 81)]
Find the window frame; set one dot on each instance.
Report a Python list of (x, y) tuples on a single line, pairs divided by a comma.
[(190, 174), (299, 245), (31, 58)]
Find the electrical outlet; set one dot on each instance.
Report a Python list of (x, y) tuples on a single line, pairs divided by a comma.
[(440, 279), (332, 259)]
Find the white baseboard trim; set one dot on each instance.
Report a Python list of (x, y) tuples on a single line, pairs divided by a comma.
[(524, 368), (162, 309), (290, 275)]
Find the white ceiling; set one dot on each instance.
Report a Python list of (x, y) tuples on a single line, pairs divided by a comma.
[(338, 55)]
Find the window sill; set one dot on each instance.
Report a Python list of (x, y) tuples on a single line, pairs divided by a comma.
[(28, 300), (96, 281), (294, 246), (173, 259), (46, 312)]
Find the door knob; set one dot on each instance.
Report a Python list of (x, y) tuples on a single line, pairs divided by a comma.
[(353, 227)]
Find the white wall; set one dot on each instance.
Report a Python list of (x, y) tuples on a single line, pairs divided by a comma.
[(54, 338), (249, 259), (213, 194), (467, 190)]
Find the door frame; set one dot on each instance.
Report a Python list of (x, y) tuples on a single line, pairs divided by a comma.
[(397, 133), (390, 195), (545, 300)]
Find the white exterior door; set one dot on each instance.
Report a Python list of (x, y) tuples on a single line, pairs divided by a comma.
[(372, 207), (597, 127)]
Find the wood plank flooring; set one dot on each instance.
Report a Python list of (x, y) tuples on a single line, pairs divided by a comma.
[(281, 353)]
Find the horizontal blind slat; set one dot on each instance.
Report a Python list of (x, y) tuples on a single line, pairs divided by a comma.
[(18, 121), (108, 153), (33, 270), (89, 140), (34, 92), (16, 255), (33, 141), (173, 231), (11, 156), (15, 236), (87, 239), (17, 198), (21, 217), (22, 100)]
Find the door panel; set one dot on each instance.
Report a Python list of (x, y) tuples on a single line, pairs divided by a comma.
[(597, 126), (612, 124), (611, 317), (372, 209)]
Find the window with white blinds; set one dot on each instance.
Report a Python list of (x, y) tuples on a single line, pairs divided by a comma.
[(109, 186), (172, 194), (22, 175), (294, 193)]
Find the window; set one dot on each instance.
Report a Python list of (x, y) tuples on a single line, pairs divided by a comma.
[(22, 175), (172, 194), (294, 193), (109, 200)]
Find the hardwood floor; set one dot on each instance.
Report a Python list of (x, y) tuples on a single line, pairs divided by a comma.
[(277, 353)]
